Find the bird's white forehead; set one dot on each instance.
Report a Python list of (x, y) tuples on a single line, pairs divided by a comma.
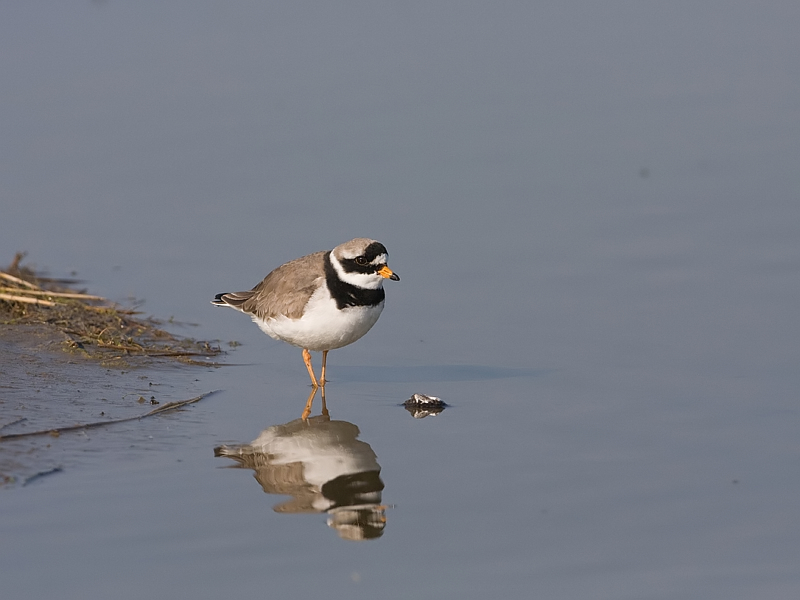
[(378, 260)]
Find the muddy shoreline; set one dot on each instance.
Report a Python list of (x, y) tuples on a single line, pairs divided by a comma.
[(66, 361)]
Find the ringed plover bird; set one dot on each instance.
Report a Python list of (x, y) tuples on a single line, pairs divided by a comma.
[(319, 302)]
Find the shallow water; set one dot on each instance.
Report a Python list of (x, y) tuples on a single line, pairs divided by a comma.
[(594, 212)]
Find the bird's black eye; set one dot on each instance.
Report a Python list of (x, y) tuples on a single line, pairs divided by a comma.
[(361, 260)]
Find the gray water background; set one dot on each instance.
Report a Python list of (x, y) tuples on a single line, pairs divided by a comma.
[(595, 212)]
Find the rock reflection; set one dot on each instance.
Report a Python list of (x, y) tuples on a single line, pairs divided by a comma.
[(322, 465)]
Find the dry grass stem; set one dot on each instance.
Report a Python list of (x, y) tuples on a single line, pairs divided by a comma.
[(54, 294), (18, 281), (26, 300)]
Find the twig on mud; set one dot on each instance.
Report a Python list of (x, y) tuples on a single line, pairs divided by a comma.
[(41, 474), (27, 300), (14, 422), (54, 294), (19, 281), (59, 430)]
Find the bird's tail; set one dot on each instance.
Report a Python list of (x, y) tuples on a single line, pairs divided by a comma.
[(232, 299)]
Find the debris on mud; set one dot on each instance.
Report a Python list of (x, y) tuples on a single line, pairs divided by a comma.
[(57, 431), (89, 324)]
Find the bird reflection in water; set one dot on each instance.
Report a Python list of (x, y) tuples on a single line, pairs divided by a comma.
[(322, 465)]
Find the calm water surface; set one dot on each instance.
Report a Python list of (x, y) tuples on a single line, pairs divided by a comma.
[(595, 213)]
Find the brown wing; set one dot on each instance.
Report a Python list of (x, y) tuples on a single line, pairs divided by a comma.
[(286, 290)]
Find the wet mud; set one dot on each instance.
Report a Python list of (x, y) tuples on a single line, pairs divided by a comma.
[(78, 373)]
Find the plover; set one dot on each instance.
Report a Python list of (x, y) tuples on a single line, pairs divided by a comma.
[(319, 302)]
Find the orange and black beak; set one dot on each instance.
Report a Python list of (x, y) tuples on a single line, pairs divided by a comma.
[(387, 273)]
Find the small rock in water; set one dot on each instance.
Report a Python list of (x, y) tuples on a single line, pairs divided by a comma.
[(423, 400), (421, 406)]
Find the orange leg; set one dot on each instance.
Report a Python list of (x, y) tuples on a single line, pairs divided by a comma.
[(307, 360), (307, 409), (324, 360)]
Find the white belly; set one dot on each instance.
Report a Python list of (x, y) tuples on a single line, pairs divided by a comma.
[(322, 326)]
